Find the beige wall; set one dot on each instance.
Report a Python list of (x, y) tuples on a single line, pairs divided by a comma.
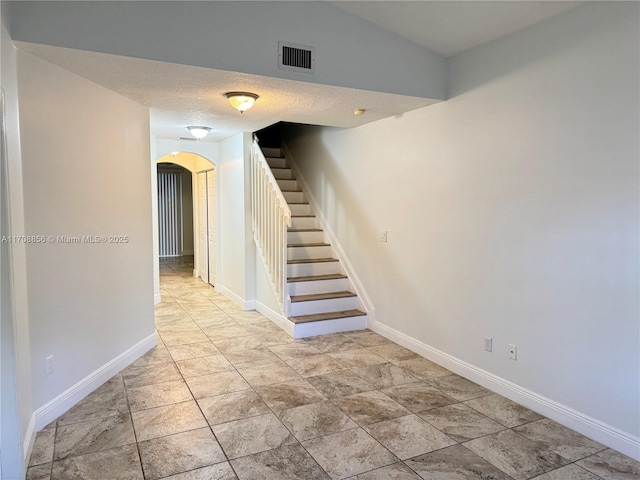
[(512, 213), (85, 153)]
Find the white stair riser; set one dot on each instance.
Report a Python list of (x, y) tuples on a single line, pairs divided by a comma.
[(288, 184), (318, 286), (304, 209), (310, 269), (277, 162), (323, 306), (311, 329), (282, 174), (299, 253), (294, 197), (305, 237), (303, 222)]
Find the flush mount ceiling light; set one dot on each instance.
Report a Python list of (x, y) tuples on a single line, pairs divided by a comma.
[(199, 132), (241, 101), (359, 111)]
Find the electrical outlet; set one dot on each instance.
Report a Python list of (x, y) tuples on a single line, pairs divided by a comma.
[(513, 352), (488, 344), (49, 365), (383, 236)]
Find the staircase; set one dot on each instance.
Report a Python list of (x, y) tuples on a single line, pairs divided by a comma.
[(321, 297)]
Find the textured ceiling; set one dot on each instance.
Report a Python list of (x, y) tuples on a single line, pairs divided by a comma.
[(180, 95), (451, 27)]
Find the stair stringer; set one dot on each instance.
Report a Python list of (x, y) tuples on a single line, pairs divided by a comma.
[(330, 237)]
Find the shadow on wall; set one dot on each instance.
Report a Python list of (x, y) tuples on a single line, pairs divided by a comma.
[(371, 258), (559, 34)]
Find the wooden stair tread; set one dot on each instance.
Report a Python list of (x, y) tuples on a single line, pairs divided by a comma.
[(303, 216), (318, 317), (291, 191), (304, 230), (309, 245), (312, 260), (321, 296), (298, 203), (313, 278)]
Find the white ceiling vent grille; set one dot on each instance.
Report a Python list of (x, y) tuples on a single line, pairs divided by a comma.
[(295, 57)]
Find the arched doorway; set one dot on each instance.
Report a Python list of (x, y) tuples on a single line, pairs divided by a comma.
[(204, 212)]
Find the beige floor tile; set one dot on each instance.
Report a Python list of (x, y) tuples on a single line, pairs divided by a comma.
[(288, 462), (268, 374), (356, 358), (385, 375), (219, 471), (562, 440), (503, 410), (316, 420), (289, 394), (43, 447), (252, 435), (194, 367), (348, 453), (370, 407), (157, 395), (216, 384), (519, 457), (167, 420), (179, 453), (455, 463), (408, 436), (93, 435), (460, 422), (192, 350), (396, 471), (232, 406), (612, 465), (122, 463), (418, 397), (340, 384)]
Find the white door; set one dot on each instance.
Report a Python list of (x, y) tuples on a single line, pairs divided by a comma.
[(203, 230), (211, 221)]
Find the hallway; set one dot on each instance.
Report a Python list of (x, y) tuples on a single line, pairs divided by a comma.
[(227, 395)]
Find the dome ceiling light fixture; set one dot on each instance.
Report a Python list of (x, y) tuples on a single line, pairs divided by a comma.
[(199, 132), (241, 101)]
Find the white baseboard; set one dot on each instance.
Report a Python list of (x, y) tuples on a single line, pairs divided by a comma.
[(599, 431), (196, 272), (237, 299), (277, 318), (311, 329), (67, 399), (157, 298), (29, 440)]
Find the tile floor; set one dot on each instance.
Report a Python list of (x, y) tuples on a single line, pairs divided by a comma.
[(227, 395)]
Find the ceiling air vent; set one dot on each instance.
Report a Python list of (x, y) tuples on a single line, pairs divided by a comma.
[(295, 57), (187, 138)]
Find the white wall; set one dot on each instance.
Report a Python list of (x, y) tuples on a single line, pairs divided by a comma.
[(512, 212), (237, 252), (85, 153), (16, 397), (239, 37), (208, 150)]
